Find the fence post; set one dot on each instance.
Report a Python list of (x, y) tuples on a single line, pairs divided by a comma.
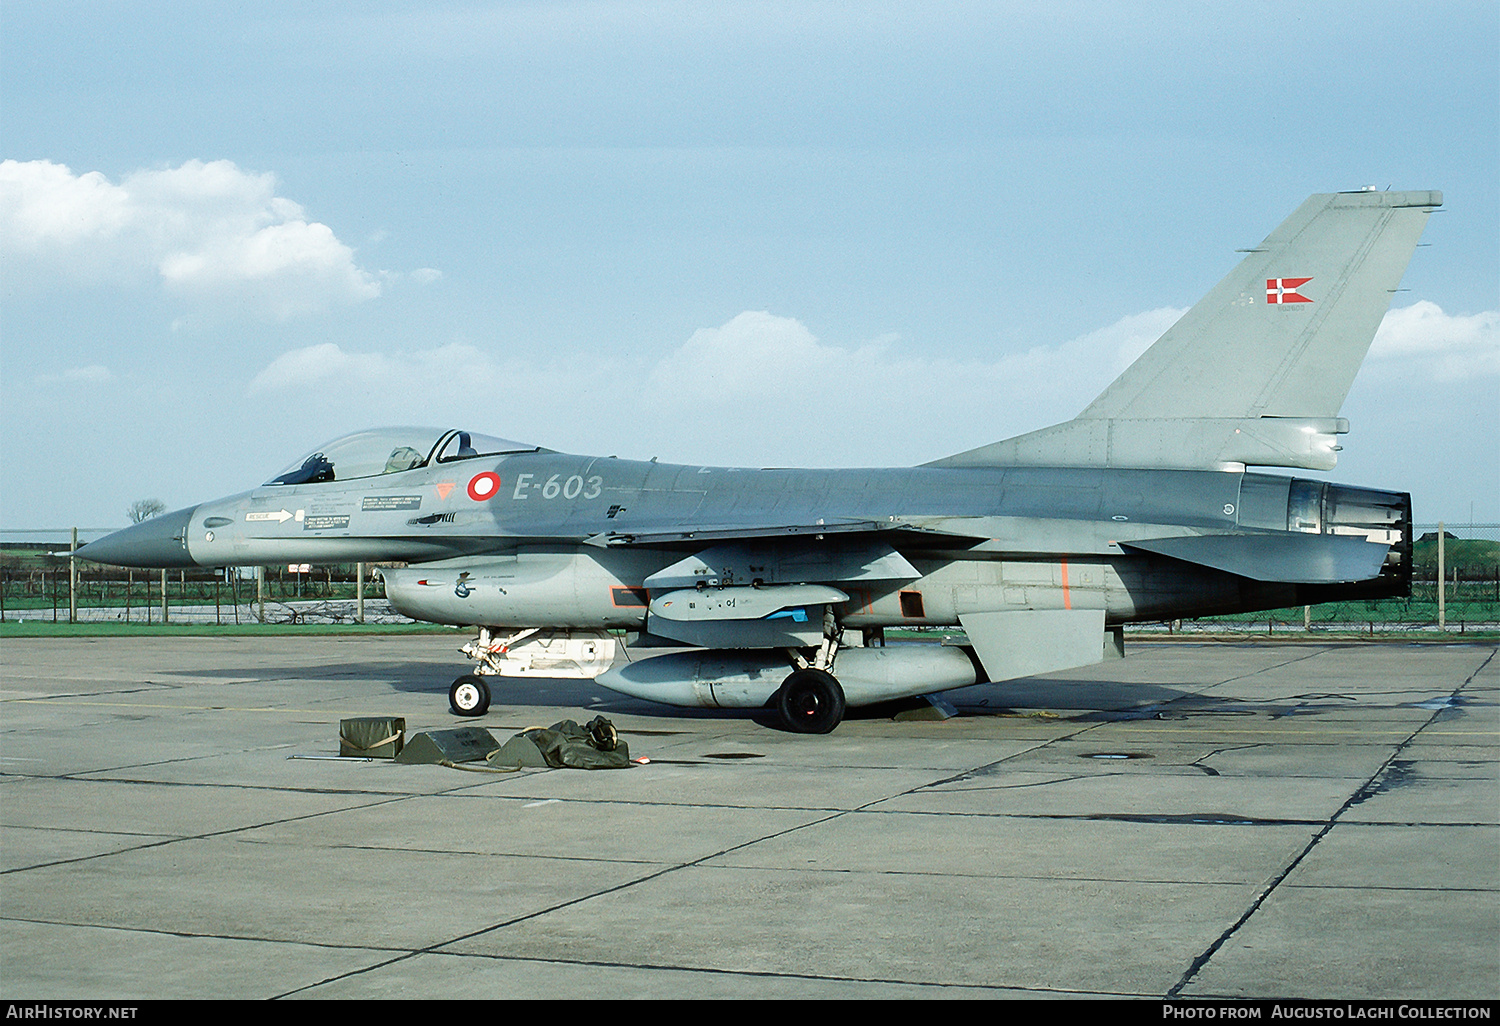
[(359, 593), (164, 595), (1442, 603), (73, 580), (260, 593)]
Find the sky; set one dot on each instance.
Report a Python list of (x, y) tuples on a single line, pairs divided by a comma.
[(749, 234)]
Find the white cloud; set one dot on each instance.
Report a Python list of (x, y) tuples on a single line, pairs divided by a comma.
[(763, 383), (209, 232), (93, 374), (753, 356), (1421, 338), (764, 390), (759, 389), (417, 375), (44, 205), (316, 365)]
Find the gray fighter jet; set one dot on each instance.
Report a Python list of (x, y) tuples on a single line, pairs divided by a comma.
[(743, 588)]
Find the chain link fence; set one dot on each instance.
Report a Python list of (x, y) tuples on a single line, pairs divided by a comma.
[(38, 581)]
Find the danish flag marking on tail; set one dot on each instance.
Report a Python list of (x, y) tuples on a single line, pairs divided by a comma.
[(1284, 290)]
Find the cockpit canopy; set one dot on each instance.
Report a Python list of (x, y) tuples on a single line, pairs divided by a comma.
[(392, 450)]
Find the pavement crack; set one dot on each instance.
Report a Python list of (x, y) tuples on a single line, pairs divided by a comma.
[(555, 907), (1360, 794)]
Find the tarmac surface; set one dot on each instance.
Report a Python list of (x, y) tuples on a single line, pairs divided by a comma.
[(1210, 819)]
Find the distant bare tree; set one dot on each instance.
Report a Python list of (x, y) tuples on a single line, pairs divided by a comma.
[(145, 509)]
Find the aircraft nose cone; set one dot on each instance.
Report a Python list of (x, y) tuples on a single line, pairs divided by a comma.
[(158, 542)]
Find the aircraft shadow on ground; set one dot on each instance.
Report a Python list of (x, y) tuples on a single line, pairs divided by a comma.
[(1071, 699), (1105, 698)]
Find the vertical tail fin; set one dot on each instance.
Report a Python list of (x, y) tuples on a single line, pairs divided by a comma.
[(1256, 371)]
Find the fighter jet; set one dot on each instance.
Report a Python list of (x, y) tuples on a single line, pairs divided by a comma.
[(752, 588)]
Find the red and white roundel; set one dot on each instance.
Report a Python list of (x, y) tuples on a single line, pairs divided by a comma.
[(484, 486)]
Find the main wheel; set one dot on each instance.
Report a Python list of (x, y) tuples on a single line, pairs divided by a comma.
[(469, 696), (811, 702)]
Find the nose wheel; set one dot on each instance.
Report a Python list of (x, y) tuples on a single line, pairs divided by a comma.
[(469, 696)]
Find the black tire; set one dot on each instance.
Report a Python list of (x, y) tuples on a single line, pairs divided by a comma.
[(469, 696), (811, 702)]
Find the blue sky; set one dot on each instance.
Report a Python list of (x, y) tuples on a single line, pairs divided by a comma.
[(817, 234)]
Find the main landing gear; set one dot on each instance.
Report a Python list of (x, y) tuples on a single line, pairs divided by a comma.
[(811, 700)]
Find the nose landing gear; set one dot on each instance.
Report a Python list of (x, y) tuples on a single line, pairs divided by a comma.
[(469, 696)]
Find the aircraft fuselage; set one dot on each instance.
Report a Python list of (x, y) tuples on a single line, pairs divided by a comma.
[(549, 539)]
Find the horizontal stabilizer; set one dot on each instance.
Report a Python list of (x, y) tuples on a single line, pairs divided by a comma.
[(1025, 642), (1283, 558)]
